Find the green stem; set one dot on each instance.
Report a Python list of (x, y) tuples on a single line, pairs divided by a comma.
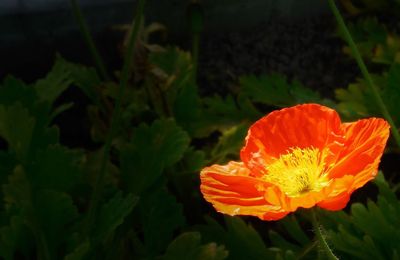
[(364, 71), (196, 16), (318, 232), (115, 116), (89, 40), (195, 53)]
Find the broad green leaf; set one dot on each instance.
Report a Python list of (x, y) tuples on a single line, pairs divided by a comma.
[(367, 33), (9, 238), (172, 65), (161, 215), (92, 167), (224, 112), (56, 168), (294, 229), (221, 113), (230, 143), (193, 160), (187, 109), (86, 78), (113, 213), (369, 232), (345, 242), (357, 100), (16, 127), (188, 246), (241, 240), (280, 242), (54, 84), (391, 93), (270, 90), (54, 211), (17, 192), (152, 148), (14, 90), (7, 165), (275, 90), (170, 74), (79, 252)]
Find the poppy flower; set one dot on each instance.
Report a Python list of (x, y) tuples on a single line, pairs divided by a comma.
[(302, 156)]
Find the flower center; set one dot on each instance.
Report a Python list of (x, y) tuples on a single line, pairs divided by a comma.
[(298, 171)]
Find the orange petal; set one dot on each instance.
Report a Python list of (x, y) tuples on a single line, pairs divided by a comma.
[(307, 200), (365, 142), (232, 191), (335, 203), (338, 193), (309, 125)]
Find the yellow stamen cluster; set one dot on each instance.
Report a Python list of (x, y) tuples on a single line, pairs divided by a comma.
[(298, 171)]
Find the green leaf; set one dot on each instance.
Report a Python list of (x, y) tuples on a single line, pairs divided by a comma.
[(172, 61), (56, 82), (230, 142), (152, 148), (280, 242), (9, 237), (345, 242), (294, 229), (113, 213), (170, 74), (17, 192), (86, 78), (160, 216), (357, 100), (79, 252), (188, 246), (369, 232), (187, 109), (14, 90), (56, 168), (367, 33), (16, 127), (54, 211), (241, 240), (7, 165), (224, 112), (275, 90), (271, 90), (391, 93), (193, 160)]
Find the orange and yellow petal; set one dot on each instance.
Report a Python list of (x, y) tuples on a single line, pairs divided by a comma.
[(365, 141), (337, 194), (302, 126), (232, 191), (338, 202)]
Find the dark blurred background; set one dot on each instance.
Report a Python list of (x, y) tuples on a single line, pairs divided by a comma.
[(32, 31)]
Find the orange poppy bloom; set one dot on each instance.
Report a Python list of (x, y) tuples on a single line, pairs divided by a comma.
[(300, 156)]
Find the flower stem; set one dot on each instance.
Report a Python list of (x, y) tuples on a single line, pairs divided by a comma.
[(97, 190), (196, 17), (364, 71), (89, 40), (318, 232)]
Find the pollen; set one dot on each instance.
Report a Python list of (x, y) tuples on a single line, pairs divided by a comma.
[(298, 171)]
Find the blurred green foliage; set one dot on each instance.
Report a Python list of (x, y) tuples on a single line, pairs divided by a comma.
[(151, 206)]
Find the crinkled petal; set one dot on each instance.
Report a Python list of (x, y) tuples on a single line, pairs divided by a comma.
[(232, 191), (365, 141), (302, 126)]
